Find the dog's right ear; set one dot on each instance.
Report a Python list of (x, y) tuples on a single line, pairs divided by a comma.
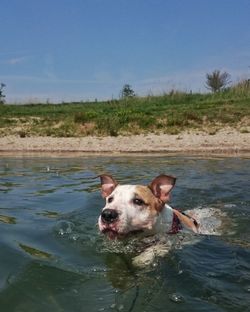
[(108, 184)]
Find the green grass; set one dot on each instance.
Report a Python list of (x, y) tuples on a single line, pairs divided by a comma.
[(169, 113)]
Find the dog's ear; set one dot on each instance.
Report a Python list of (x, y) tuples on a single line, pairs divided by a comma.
[(108, 184), (161, 187)]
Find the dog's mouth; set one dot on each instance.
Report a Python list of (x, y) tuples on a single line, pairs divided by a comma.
[(114, 231), (112, 234)]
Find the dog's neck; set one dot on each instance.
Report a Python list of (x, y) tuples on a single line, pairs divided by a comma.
[(164, 220)]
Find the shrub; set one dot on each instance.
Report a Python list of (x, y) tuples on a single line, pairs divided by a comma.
[(127, 91), (83, 117), (22, 134), (2, 96), (80, 117), (216, 81)]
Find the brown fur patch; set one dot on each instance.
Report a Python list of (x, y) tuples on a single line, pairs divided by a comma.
[(154, 203)]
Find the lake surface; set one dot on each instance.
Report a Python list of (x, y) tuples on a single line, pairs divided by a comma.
[(52, 257)]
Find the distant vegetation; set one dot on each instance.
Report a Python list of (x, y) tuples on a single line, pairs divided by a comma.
[(217, 81), (170, 113), (2, 96), (127, 91)]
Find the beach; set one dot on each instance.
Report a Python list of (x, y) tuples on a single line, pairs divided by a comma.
[(227, 141)]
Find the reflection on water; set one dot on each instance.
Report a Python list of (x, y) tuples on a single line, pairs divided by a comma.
[(54, 259), (7, 219), (34, 252)]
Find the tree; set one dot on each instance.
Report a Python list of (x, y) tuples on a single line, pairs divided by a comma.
[(127, 91), (217, 81), (2, 96)]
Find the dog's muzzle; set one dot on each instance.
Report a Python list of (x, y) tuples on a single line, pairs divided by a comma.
[(109, 216)]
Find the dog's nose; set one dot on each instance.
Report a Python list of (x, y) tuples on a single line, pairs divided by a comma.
[(109, 215)]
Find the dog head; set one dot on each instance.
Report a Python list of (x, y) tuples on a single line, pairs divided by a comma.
[(133, 208)]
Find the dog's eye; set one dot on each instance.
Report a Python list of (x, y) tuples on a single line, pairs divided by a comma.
[(110, 199), (138, 202)]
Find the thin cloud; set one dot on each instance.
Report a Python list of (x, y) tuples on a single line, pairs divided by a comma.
[(16, 60), (52, 79)]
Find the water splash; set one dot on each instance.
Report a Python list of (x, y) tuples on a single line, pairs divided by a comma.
[(176, 298), (64, 227)]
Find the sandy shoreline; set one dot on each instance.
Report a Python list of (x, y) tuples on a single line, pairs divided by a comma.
[(227, 141)]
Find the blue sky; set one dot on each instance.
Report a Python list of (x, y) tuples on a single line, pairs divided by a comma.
[(66, 50)]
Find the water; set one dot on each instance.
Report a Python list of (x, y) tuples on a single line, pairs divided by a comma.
[(53, 258)]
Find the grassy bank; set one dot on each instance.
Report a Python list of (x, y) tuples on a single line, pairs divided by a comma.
[(170, 113)]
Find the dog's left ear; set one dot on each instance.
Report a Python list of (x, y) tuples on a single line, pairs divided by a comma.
[(108, 184), (161, 187)]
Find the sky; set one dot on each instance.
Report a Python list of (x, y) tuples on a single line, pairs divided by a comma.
[(73, 50)]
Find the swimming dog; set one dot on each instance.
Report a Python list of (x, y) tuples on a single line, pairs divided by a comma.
[(137, 208)]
